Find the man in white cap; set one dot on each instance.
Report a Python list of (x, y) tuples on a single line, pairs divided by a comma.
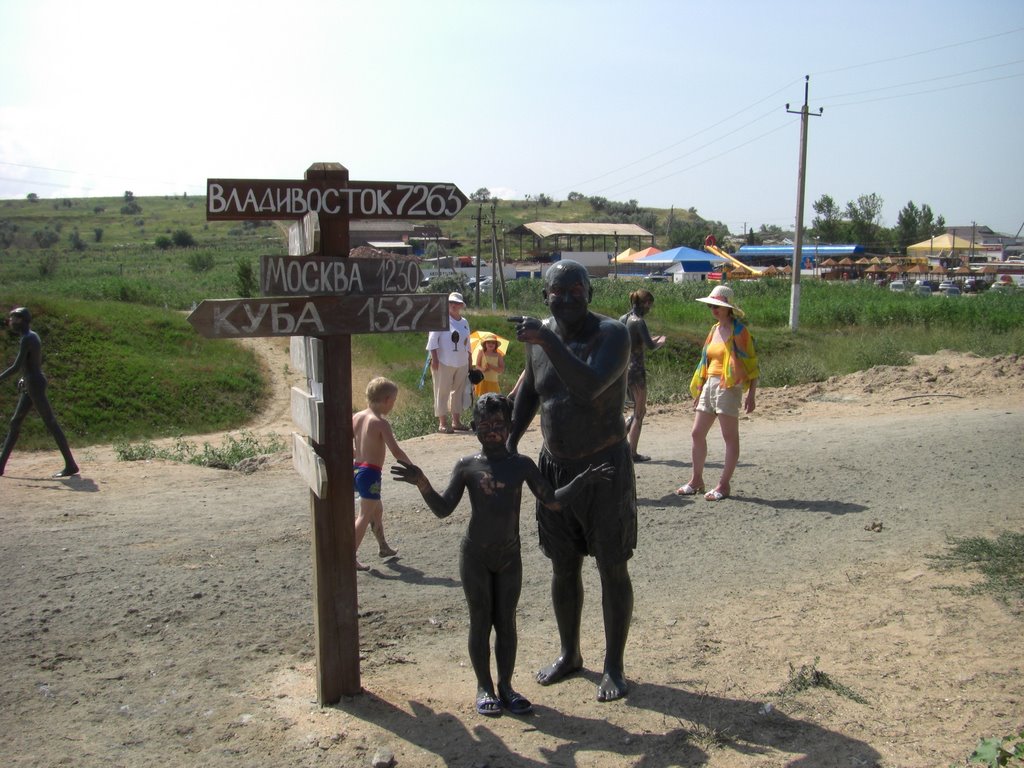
[(449, 366)]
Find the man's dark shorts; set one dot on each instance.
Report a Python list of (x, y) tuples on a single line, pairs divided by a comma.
[(601, 520)]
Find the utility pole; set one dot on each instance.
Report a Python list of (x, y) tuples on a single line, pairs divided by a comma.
[(476, 288), (794, 296), (617, 253), (497, 265)]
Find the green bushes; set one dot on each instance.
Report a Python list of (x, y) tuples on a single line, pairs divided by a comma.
[(200, 261), (227, 456)]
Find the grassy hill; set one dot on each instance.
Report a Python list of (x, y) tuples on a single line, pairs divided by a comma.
[(123, 363)]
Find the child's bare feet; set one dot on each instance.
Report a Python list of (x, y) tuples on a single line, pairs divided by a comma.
[(362, 566), (386, 551)]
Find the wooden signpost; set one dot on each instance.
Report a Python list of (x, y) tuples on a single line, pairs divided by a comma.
[(328, 296)]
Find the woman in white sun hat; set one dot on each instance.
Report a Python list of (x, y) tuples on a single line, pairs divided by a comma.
[(727, 367)]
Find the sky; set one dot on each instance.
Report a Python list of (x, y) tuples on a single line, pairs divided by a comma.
[(666, 102)]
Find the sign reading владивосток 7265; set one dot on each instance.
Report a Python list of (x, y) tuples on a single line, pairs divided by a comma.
[(245, 199)]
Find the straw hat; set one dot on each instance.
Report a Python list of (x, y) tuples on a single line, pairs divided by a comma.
[(721, 296), (455, 298)]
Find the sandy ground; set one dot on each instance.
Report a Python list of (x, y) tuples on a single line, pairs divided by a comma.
[(155, 613)]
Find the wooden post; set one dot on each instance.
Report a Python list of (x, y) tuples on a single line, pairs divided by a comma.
[(335, 599)]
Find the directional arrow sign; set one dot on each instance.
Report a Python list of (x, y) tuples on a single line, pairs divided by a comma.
[(320, 315), (248, 199), (325, 276)]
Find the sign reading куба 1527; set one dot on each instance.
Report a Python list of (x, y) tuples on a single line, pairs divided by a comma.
[(245, 199), (320, 315)]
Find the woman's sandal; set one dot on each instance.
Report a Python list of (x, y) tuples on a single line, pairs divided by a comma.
[(715, 495), (689, 490)]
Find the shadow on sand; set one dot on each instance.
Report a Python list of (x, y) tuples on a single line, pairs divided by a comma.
[(692, 721)]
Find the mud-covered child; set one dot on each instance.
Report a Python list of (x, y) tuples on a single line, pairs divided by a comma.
[(490, 564), (372, 437)]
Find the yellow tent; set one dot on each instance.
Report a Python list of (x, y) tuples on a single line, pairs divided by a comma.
[(942, 244), (626, 256)]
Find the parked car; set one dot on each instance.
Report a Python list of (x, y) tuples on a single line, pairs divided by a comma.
[(898, 286), (923, 290), (946, 284), (1003, 288), (951, 291)]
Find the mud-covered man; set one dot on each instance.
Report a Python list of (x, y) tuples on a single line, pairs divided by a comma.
[(32, 386), (575, 376)]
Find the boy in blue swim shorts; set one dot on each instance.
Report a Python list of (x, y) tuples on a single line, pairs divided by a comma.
[(372, 437)]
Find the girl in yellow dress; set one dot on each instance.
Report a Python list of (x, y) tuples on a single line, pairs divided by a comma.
[(491, 362)]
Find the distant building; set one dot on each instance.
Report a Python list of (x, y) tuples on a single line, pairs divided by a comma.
[(990, 244)]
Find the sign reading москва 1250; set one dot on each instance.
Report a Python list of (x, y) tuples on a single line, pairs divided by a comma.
[(241, 199)]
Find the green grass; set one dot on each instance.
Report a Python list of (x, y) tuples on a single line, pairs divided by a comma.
[(1000, 561), (227, 455), (809, 676), (121, 371)]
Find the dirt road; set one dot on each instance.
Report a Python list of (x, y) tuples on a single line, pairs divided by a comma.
[(159, 613)]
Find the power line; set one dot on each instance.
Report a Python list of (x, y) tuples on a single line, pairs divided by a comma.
[(87, 174), (704, 162), (930, 90), (683, 140), (920, 53), (927, 80), (691, 152), (771, 95)]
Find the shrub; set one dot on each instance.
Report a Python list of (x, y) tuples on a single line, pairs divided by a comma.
[(245, 278), (76, 241), (48, 265), (227, 456), (183, 239), (200, 262), (163, 242), (45, 237)]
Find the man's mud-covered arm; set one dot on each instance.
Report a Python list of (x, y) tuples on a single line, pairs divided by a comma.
[(524, 407), (586, 377), (19, 360)]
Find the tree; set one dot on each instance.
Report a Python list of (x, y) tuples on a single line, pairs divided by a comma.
[(688, 233), (130, 207), (574, 196), (482, 195), (864, 216), (32, 197), (771, 233), (828, 225), (916, 224)]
